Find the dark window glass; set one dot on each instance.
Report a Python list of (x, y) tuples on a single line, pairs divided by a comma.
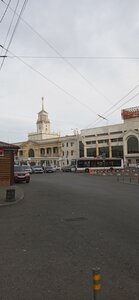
[(91, 152), (132, 145), (117, 151), (31, 153)]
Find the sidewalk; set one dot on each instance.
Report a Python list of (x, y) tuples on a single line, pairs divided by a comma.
[(19, 195)]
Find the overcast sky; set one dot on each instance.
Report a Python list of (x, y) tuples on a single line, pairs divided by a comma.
[(82, 56)]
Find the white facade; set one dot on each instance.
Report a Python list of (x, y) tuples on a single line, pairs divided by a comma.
[(120, 140), (69, 149)]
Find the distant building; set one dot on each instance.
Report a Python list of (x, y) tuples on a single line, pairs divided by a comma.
[(120, 140), (46, 148), (69, 148)]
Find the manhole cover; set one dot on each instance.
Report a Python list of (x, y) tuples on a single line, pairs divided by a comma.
[(75, 219)]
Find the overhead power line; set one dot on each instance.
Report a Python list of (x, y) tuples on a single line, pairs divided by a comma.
[(114, 110), (75, 98), (65, 59), (5, 11), (8, 32), (52, 82), (19, 17), (79, 57)]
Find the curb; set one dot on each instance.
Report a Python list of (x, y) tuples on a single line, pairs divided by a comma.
[(19, 195)]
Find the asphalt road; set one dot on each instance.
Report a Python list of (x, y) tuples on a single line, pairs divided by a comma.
[(67, 225)]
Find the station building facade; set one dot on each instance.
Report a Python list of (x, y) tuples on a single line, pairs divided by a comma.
[(46, 148), (120, 140)]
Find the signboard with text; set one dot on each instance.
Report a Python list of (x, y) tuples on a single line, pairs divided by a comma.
[(130, 113)]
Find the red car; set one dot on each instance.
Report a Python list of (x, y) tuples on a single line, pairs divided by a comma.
[(20, 175)]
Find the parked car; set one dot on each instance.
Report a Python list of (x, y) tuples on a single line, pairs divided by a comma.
[(20, 175), (27, 169), (37, 169), (68, 168), (49, 169)]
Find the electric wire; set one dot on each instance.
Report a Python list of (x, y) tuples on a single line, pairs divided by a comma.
[(116, 109), (90, 83), (53, 83), (65, 58), (16, 25), (124, 104), (5, 11), (79, 57), (10, 26), (75, 98)]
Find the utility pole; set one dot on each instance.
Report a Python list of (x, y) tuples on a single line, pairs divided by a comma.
[(76, 134)]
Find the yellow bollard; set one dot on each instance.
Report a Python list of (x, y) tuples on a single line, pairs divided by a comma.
[(96, 277)]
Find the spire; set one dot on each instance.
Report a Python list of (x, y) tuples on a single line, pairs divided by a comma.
[(42, 103)]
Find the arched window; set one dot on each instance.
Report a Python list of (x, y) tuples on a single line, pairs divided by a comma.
[(31, 153), (42, 151), (132, 145)]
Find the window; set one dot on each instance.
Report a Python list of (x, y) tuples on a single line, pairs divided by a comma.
[(81, 149), (72, 144), (31, 153), (1, 152), (116, 132), (103, 141), (89, 135), (104, 151), (48, 150), (72, 152), (132, 145), (55, 150), (42, 151), (101, 134), (117, 140), (91, 152), (90, 142), (117, 151), (67, 144)]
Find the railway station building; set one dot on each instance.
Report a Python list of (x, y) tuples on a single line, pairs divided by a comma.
[(46, 148)]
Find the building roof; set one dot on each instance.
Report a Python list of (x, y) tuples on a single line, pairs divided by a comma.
[(6, 146)]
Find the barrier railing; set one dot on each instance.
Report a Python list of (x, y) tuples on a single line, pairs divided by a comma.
[(122, 175)]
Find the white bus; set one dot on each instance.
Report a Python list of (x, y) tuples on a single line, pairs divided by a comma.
[(86, 164)]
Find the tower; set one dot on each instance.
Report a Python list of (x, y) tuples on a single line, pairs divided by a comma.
[(43, 123)]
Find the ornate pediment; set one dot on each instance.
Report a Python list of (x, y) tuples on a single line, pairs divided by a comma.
[(29, 144)]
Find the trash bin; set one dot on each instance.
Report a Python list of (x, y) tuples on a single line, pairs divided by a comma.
[(10, 195)]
